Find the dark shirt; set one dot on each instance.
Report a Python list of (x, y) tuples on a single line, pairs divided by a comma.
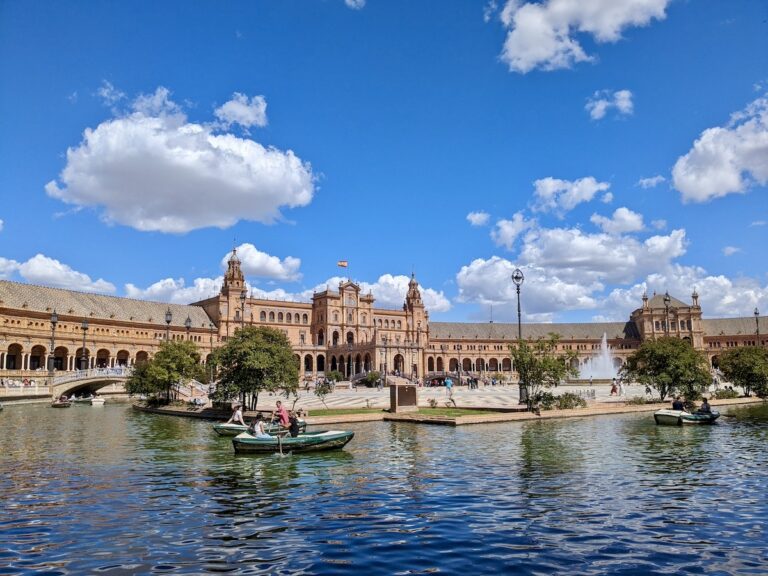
[(705, 409), (293, 427), (678, 405)]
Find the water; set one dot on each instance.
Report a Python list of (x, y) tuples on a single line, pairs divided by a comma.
[(600, 366), (111, 491)]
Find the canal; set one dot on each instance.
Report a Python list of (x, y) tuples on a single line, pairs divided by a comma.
[(114, 491)]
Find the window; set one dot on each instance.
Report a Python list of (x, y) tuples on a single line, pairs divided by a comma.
[(263, 316), (288, 318), (304, 319), (271, 316), (302, 338), (349, 318), (297, 318), (365, 319), (335, 317), (280, 317)]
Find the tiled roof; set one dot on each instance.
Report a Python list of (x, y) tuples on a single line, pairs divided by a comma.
[(71, 303), (491, 331), (657, 301), (733, 326)]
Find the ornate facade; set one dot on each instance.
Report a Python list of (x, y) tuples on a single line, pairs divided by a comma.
[(338, 330)]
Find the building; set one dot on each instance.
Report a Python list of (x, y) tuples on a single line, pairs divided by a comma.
[(338, 330)]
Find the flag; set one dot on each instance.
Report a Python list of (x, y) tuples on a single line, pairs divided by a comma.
[(342, 263)]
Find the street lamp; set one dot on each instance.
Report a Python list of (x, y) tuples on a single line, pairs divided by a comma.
[(386, 360), (458, 366), (168, 318), (210, 345), (243, 296), (188, 325), (84, 357), (518, 278), (51, 358), (666, 313), (757, 325)]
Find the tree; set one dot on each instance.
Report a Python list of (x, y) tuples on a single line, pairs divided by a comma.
[(254, 360), (669, 366), (371, 379), (177, 362), (334, 376), (540, 365), (747, 367)]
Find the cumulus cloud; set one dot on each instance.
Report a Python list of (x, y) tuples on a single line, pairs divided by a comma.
[(355, 4), (603, 101), (507, 231), (241, 110), (659, 224), (474, 218), (623, 220), (389, 292), (544, 34), (47, 271), (730, 250), (7, 268), (154, 170), (728, 159), (254, 262), (561, 196), (175, 291), (651, 182)]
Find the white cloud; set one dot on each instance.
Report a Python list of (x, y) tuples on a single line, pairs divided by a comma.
[(561, 196), (175, 291), (474, 218), (240, 110), (7, 268), (730, 250), (109, 94), (543, 34), (758, 223), (659, 224), (47, 271), (726, 160), (154, 170), (607, 198), (355, 4), (507, 231), (603, 101), (253, 262), (1, 225), (490, 8), (651, 182), (624, 220)]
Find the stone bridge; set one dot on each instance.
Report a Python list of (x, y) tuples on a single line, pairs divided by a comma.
[(105, 381)]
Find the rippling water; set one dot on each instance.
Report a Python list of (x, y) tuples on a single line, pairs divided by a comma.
[(108, 490)]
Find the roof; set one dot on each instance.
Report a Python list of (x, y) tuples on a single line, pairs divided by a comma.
[(34, 298), (733, 326), (494, 331)]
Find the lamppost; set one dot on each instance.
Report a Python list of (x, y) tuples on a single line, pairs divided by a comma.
[(188, 325), (458, 366), (666, 313), (518, 278), (386, 362), (757, 325), (52, 357), (210, 364), (84, 357), (243, 296), (168, 318)]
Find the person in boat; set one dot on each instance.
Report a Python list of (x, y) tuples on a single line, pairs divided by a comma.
[(293, 424), (237, 415), (705, 408), (281, 414), (257, 427), (677, 404)]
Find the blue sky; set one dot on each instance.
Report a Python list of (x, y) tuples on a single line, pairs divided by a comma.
[(605, 147)]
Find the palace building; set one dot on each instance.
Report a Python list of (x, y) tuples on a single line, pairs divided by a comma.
[(338, 330)]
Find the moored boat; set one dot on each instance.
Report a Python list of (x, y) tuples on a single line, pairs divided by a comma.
[(235, 429), (61, 403), (97, 401), (679, 417), (309, 442), (81, 400)]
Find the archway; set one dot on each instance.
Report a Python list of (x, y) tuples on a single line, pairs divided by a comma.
[(453, 365), (102, 358), (320, 363), (123, 358), (343, 366), (506, 365), (367, 363), (358, 364), (335, 338), (320, 337), (13, 357), (430, 364), (60, 358), (350, 338), (440, 364), (308, 364), (142, 357), (334, 364), (399, 362), (480, 365), (466, 365), (82, 356), (493, 365), (37, 358)]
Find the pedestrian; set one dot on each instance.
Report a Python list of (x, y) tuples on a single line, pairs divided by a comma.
[(448, 386)]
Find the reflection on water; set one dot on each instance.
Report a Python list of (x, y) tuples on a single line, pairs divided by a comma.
[(114, 491)]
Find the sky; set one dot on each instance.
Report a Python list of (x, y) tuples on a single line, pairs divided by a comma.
[(606, 148)]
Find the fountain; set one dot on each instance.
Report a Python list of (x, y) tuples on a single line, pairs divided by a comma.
[(599, 367)]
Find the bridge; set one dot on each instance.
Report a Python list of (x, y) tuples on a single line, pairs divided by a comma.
[(106, 381)]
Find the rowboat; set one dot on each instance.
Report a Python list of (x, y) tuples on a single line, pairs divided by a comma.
[(310, 442), (679, 417), (97, 401), (61, 404), (235, 429), (82, 400)]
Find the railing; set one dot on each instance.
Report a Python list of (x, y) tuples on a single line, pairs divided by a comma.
[(117, 371)]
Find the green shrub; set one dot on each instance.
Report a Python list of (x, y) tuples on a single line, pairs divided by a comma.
[(570, 400), (545, 400), (725, 393)]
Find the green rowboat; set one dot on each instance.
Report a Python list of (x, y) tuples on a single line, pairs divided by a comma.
[(235, 429), (310, 442)]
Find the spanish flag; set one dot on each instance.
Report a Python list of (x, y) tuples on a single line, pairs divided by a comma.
[(342, 263)]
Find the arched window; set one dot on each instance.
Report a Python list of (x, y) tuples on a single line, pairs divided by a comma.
[(335, 337), (263, 316), (297, 318), (399, 324), (335, 317), (379, 322), (279, 316), (386, 323), (288, 318), (349, 318), (365, 319), (304, 319), (271, 316)]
